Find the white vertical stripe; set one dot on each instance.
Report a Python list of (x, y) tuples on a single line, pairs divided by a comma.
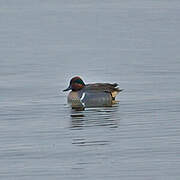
[(81, 99)]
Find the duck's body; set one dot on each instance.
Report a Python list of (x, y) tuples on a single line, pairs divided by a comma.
[(91, 95)]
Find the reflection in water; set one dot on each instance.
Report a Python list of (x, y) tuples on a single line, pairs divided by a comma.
[(77, 122), (101, 117), (95, 117), (84, 142)]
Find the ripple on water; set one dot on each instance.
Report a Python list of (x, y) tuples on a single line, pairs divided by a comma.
[(107, 116)]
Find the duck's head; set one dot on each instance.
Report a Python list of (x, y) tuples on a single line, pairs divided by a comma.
[(75, 84)]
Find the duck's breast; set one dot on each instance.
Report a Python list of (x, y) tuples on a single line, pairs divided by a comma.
[(74, 99)]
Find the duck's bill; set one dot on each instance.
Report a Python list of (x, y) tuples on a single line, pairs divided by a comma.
[(69, 88)]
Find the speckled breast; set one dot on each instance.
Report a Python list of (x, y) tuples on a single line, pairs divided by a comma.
[(74, 100)]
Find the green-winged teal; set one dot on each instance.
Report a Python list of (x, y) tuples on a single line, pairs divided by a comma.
[(91, 95)]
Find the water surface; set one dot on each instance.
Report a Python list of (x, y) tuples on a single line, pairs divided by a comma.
[(134, 43)]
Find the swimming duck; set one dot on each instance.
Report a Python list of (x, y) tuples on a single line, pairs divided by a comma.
[(91, 95)]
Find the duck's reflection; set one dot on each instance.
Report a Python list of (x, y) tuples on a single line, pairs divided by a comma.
[(84, 142), (84, 121), (107, 116)]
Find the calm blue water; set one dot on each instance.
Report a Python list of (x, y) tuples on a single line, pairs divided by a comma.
[(134, 43)]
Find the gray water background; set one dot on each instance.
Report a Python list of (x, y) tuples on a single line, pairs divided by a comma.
[(134, 43)]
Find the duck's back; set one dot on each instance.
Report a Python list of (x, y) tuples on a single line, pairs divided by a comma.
[(104, 87)]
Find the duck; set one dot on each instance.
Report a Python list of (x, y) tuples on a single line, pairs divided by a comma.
[(84, 95)]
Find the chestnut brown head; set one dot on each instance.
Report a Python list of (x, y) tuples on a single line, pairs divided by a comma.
[(75, 84)]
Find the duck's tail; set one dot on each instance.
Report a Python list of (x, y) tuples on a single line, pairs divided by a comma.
[(115, 90)]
